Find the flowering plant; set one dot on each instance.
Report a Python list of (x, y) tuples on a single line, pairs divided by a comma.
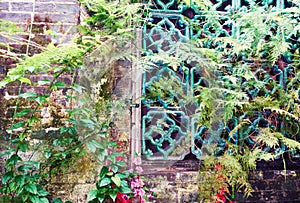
[(116, 184), (214, 187)]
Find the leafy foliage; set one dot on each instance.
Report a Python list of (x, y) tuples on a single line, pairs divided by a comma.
[(107, 30)]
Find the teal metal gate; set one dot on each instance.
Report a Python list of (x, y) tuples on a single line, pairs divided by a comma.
[(169, 128)]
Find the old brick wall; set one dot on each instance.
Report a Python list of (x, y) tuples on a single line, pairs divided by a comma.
[(57, 15), (43, 21), (275, 181)]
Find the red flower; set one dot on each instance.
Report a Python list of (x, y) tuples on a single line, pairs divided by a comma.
[(222, 191), (119, 158), (122, 198), (221, 197), (218, 167)]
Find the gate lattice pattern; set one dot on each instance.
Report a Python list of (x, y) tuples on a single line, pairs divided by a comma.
[(169, 130)]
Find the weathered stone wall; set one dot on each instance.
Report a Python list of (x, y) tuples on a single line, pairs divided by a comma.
[(58, 15), (273, 182), (44, 21)]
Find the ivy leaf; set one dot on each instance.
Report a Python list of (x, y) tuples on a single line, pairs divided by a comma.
[(126, 190), (123, 175), (121, 164), (41, 99), (13, 160), (87, 123), (116, 180), (114, 168), (30, 68), (110, 173), (28, 94), (56, 142), (78, 88), (17, 125), (36, 164), (20, 179), (31, 188), (25, 80), (24, 168), (7, 152), (113, 195), (93, 145), (98, 144), (105, 181), (60, 84), (35, 199), (7, 177), (112, 158), (47, 155), (23, 146), (92, 195), (44, 200), (103, 171), (44, 82), (22, 136), (42, 193), (57, 200), (23, 113), (101, 155), (101, 199), (25, 197), (33, 119)]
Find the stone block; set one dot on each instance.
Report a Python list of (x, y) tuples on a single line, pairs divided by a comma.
[(5, 40), (187, 196), (259, 185), (21, 6), (55, 18), (62, 1), (289, 185), (67, 8), (268, 174), (291, 195), (23, 1), (16, 17), (4, 6), (62, 28), (44, 7)]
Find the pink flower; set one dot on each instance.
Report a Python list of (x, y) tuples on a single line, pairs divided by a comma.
[(130, 170), (139, 192), (149, 196), (137, 182), (137, 160), (139, 169), (133, 185)]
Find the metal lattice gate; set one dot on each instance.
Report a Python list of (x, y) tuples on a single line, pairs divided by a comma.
[(169, 129)]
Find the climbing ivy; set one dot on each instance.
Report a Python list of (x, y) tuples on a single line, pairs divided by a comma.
[(108, 30)]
